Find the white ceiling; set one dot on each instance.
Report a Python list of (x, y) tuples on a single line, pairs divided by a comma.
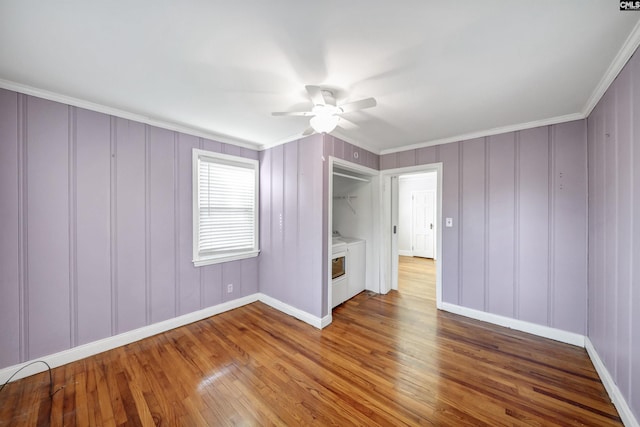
[(440, 70)]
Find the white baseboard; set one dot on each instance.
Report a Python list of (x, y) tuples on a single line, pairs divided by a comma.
[(519, 325), (610, 385), (314, 321), (628, 419), (99, 346), (90, 349), (326, 321), (403, 252)]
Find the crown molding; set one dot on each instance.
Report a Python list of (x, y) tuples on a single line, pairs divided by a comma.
[(285, 140), (462, 137), (619, 61), (76, 102), (488, 132), (626, 51), (338, 134), (335, 134)]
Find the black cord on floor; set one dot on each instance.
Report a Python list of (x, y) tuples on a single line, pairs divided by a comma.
[(51, 392)]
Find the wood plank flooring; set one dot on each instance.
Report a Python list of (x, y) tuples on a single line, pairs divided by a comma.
[(417, 278), (385, 360)]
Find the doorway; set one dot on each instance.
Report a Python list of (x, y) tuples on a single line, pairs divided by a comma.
[(417, 215), (417, 234), (412, 228)]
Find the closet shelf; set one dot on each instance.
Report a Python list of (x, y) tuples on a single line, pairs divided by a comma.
[(357, 178)]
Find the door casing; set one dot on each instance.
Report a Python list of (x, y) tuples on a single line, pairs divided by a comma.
[(388, 250)]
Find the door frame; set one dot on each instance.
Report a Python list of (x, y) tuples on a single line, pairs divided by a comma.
[(389, 251)]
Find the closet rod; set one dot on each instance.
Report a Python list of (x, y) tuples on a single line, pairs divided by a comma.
[(344, 175)]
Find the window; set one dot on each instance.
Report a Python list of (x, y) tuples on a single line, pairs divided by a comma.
[(225, 208)]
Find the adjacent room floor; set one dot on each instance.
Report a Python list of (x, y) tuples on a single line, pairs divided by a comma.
[(417, 278), (385, 360)]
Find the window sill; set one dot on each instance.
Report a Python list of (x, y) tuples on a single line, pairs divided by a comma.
[(224, 258)]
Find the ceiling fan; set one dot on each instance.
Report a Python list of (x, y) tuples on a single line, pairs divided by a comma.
[(325, 114)]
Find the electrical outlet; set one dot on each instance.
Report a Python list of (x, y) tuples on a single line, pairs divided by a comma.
[(449, 222), (230, 288)]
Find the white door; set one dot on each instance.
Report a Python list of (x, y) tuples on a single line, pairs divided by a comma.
[(423, 214)]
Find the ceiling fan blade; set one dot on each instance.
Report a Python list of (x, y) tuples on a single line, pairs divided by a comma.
[(315, 93), (292, 113), (308, 131), (347, 124), (358, 105)]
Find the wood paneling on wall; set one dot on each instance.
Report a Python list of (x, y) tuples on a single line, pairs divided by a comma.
[(519, 207), (500, 227), (291, 209), (294, 218), (343, 150), (614, 230), (12, 332), (95, 228)]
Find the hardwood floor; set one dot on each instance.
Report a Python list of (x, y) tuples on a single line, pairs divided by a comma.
[(417, 278), (385, 360)]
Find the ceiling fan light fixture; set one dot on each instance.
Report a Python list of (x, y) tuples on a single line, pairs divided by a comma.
[(325, 114), (324, 123)]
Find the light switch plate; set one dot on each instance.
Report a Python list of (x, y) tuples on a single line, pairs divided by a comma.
[(448, 222)]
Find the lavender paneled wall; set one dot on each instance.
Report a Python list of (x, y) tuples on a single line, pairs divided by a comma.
[(614, 255), (48, 296), (519, 208), (291, 212), (343, 150), (11, 235), (91, 206), (95, 228), (501, 186), (294, 218)]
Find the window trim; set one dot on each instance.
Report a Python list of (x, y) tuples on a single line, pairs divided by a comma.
[(208, 259)]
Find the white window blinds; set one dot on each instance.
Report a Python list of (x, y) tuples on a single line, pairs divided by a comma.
[(225, 211)]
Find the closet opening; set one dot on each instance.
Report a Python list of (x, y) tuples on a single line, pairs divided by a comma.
[(353, 222)]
